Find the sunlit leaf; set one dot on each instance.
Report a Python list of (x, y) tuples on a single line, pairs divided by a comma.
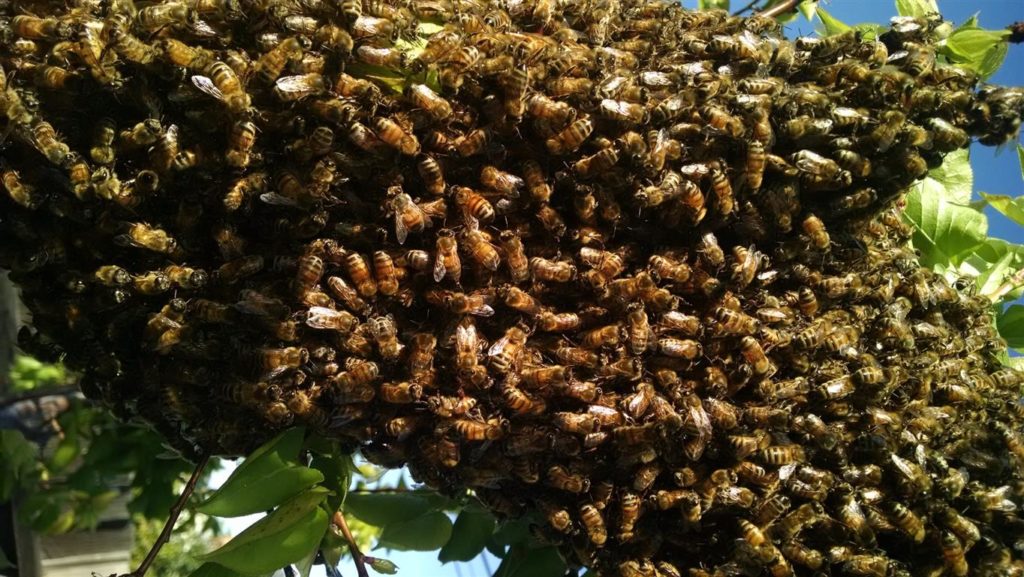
[(337, 473), (712, 4), (807, 8), (382, 509), (993, 59), (916, 7), (473, 527), (259, 490), (1012, 208), (945, 232), (993, 276), (1014, 362), (424, 533), (955, 175), (281, 538), (869, 30), (1011, 326), (68, 449), (382, 566), (1020, 159), (832, 25), (428, 29), (971, 22)]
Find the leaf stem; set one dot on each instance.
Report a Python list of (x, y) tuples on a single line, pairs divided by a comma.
[(779, 9), (357, 556), (176, 510), (1015, 280)]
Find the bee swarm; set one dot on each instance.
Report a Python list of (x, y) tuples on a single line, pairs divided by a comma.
[(638, 270)]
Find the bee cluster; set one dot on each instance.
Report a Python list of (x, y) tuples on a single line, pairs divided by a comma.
[(635, 269)]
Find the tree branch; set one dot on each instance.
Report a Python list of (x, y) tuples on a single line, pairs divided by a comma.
[(176, 510), (779, 9), (357, 556)]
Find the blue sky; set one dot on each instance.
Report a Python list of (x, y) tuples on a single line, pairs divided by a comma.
[(994, 172)]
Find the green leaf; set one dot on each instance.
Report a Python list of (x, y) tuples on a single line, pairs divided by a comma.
[(993, 59), (213, 570), (383, 509), (1012, 208), (992, 277), (281, 538), (5, 563), (1011, 326), (68, 449), (1014, 362), (869, 30), (382, 566), (472, 529), (969, 45), (424, 533), (305, 564), (832, 25), (945, 232), (971, 22), (1020, 158), (712, 4), (955, 175), (546, 562), (916, 7), (264, 480), (428, 29), (807, 8), (337, 473), (255, 493), (18, 463)]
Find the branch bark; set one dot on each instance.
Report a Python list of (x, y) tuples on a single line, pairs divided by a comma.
[(176, 510), (779, 9), (357, 555)]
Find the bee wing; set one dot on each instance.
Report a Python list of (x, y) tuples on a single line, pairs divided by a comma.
[(274, 373), (201, 28), (483, 310), (275, 199), (402, 233), (497, 347), (299, 84), (206, 85), (439, 268), (320, 317)]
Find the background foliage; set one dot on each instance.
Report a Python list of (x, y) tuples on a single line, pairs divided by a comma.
[(301, 482)]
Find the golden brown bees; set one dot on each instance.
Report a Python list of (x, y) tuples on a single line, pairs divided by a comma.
[(392, 134), (570, 139)]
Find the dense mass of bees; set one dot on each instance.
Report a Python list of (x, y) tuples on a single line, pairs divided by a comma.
[(637, 270)]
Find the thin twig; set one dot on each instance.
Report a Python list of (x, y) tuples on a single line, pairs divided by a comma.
[(779, 9), (353, 547), (176, 510), (746, 8), (1012, 283)]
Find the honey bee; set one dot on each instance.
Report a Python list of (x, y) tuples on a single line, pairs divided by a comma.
[(782, 454), (570, 139), (815, 229), (447, 261), (471, 430), (359, 271), (477, 304), (299, 86), (433, 176), (383, 57), (272, 63), (221, 82), (541, 107), (551, 220), (385, 332), (48, 143), (409, 217), (392, 134), (564, 480), (102, 151), (400, 393), (473, 204), (421, 353), (473, 143), (20, 192), (178, 53), (142, 235), (597, 163), (907, 521), (567, 86), (593, 523), (142, 134), (666, 268), (479, 248), (506, 351), (518, 401)]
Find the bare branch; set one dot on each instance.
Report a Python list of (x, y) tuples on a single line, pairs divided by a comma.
[(779, 9), (176, 510), (357, 556)]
